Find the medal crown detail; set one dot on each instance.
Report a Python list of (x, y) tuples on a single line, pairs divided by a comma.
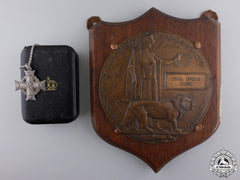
[(51, 85), (29, 73)]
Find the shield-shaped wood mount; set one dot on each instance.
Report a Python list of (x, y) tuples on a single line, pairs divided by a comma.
[(155, 83)]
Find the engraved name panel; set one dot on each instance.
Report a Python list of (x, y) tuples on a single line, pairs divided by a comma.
[(183, 81)]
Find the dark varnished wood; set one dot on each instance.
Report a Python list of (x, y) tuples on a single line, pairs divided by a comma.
[(105, 36)]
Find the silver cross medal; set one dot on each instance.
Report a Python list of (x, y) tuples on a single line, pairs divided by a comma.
[(30, 84)]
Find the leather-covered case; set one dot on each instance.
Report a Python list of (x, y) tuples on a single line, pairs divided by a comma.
[(59, 103)]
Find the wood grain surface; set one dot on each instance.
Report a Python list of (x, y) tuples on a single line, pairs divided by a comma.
[(104, 36)]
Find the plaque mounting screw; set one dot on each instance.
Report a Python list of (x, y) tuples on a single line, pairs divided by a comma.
[(117, 131), (114, 46), (198, 127), (197, 45)]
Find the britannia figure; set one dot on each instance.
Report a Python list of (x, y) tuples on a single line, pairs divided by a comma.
[(142, 81)]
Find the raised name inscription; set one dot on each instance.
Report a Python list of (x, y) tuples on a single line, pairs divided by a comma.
[(195, 81)]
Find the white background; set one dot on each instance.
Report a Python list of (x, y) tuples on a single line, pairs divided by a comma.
[(74, 151)]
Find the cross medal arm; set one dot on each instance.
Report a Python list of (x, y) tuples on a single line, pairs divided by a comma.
[(20, 85), (30, 85)]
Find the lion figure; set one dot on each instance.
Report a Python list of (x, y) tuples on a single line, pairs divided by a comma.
[(171, 110)]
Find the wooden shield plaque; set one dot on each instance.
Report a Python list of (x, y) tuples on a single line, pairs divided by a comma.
[(155, 83)]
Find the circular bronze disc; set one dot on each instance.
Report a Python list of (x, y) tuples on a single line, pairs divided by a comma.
[(155, 87)]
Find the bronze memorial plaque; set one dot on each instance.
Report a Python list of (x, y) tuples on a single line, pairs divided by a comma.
[(155, 83), (155, 87)]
